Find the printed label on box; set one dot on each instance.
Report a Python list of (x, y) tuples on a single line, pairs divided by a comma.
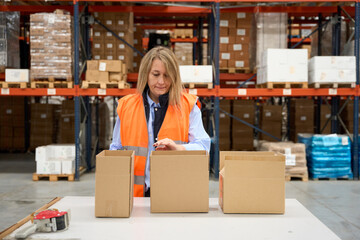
[(225, 56), (97, 45), (121, 34), (303, 118), (344, 141), (121, 46), (109, 45), (121, 57), (246, 115), (222, 115), (268, 114), (97, 57), (110, 57), (241, 32), (239, 63), (224, 23), (241, 15), (97, 34), (135, 54), (290, 160), (224, 40), (108, 34), (8, 111), (51, 18), (237, 47), (327, 115), (121, 22), (134, 64), (108, 22), (43, 115), (102, 66), (135, 41)]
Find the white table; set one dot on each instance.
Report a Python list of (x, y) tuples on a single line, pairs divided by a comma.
[(296, 223)]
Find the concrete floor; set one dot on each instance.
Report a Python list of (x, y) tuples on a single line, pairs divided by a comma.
[(335, 203)]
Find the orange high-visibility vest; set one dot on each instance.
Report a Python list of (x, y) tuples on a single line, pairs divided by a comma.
[(134, 132)]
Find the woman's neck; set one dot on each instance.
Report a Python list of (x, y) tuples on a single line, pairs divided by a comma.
[(153, 97)]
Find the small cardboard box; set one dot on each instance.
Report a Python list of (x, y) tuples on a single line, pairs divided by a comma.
[(16, 75), (97, 76), (110, 65), (114, 181), (179, 181), (252, 182)]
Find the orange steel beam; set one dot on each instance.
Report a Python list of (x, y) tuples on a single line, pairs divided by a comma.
[(280, 92), (39, 92)]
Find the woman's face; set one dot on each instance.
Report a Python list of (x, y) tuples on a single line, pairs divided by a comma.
[(158, 80)]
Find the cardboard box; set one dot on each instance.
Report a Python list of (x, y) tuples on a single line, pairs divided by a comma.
[(16, 75), (197, 74), (179, 181), (114, 183), (48, 167), (110, 66), (97, 76), (92, 65), (252, 182)]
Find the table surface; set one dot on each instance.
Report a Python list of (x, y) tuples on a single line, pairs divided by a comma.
[(296, 223)]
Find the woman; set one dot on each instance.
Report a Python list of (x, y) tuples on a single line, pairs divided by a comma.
[(160, 116)]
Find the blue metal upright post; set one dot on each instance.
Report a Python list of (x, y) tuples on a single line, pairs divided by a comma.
[(217, 83), (76, 81), (355, 160)]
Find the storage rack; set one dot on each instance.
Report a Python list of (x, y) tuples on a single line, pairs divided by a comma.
[(215, 93)]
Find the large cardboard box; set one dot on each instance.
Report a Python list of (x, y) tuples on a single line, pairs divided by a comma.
[(114, 181), (179, 181), (252, 182)]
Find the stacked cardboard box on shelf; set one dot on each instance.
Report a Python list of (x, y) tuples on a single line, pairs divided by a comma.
[(325, 115), (205, 54), (51, 45), (138, 36), (270, 121), (67, 122), (347, 116), (235, 39), (282, 66), (183, 33), (242, 135), (269, 32), (12, 123), (295, 155), (332, 69), (225, 126), (105, 126), (301, 117), (9, 40), (106, 71), (184, 53), (42, 124), (108, 47)]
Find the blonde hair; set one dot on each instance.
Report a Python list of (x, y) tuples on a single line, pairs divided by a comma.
[(167, 57)]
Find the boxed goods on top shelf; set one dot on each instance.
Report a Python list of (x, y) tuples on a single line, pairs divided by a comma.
[(108, 47), (9, 40), (51, 46)]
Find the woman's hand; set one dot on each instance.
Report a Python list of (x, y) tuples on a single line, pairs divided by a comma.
[(167, 144)]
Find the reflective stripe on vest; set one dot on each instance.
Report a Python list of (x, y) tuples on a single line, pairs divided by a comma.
[(134, 135)]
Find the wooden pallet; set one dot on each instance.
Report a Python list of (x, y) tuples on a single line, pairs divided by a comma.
[(199, 85), (104, 85), (300, 177), (235, 70), (332, 85), (56, 177), (332, 179), (56, 84), (13, 84), (271, 85), (52, 79)]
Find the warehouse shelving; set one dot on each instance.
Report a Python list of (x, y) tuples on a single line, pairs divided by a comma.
[(217, 92)]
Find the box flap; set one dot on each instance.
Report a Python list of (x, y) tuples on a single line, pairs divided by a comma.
[(255, 166), (175, 153), (223, 154), (117, 162)]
